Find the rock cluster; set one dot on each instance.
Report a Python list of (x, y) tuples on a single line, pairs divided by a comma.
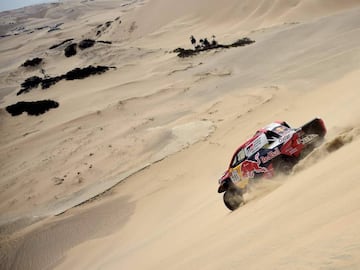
[(206, 46), (86, 43), (74, 74), (32, 107), (70, 50), (32, 62)]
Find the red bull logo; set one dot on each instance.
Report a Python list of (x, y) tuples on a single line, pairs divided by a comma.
[(272, 154), (250, 167)]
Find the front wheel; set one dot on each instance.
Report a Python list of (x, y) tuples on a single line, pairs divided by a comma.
[(233, 198)]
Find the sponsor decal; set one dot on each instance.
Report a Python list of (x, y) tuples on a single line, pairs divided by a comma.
[(235, 176), (250, 167), (308, 138), (285, 138), (292, 150), (270, 155), (256, 145)]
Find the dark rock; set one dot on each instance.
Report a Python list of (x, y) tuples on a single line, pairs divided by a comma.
[(192, 40), (31, 107), (81, 73), (46, 83), (70, 50), (29, 84), (108, 24), (206, 45), (242, 42), (61, 43), (75, 74), (41, 27), (58, 180), (186, 52), (56, 27), (52, 29), (105, 42), (86, 43), (33, 62)]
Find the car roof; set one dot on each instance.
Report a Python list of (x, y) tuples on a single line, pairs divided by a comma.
[(270, 126), (258, 133)]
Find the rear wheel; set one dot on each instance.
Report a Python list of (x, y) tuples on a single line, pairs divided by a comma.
[(233, 198), (313, 134), (316, 126), (284, 164)]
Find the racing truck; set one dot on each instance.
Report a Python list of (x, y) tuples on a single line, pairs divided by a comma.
[(275, 148)]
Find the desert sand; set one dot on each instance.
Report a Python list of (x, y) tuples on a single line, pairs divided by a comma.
[(123, 174)]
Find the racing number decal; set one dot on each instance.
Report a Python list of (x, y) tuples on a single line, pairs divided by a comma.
[(235, 176)]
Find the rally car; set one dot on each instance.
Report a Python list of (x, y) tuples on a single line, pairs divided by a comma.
[(275, 148)]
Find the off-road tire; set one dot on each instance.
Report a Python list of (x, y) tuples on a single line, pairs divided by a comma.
[(284, 164), (314, 127), (233, 198)]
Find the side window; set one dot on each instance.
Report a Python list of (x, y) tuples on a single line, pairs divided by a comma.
[(271, 135)]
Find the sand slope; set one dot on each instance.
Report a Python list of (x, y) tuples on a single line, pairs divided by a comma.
[(165, 129)]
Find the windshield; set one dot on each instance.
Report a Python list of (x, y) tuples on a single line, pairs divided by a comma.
[(280, 130), (238, 158)]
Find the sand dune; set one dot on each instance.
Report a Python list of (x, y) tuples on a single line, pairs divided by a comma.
[(139, 148)]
